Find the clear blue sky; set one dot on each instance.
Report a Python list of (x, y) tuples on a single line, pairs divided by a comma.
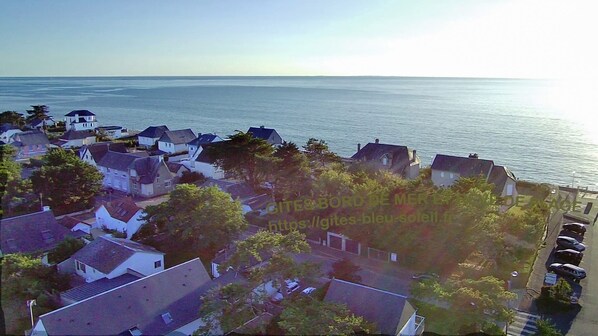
[(279, 37)]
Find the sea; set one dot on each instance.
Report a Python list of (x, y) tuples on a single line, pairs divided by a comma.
[(543, 130)]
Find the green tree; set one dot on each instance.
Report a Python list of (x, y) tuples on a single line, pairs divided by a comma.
[(244, 157), (319, 155), (25, 277), (206, 217), (345, 269), (291, 175), (40, 112), (12, 117), (278, 250), (306, 316), (65, 249), (14, 191), (546, 328), (66, 183)]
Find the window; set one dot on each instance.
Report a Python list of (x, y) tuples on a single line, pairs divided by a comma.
[(509, 189), (81, 266), (167, 183), (158, 264), (441, 174), (108, 169), (385, 160), (451, 175), (167, 318)]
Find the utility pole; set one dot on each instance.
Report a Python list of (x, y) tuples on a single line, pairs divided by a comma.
[(30, 304)]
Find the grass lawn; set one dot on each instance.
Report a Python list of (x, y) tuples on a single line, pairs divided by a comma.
[(438, 320)]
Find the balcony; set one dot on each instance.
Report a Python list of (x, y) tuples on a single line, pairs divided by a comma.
[(419, 324)]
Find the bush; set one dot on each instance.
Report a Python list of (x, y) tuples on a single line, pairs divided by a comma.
[(556, 298), (192, 177), (545, 328)]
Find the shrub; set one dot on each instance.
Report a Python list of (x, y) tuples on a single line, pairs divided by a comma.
[(192, 177)]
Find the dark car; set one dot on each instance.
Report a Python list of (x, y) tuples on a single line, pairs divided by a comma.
[(575, 227), (569, 255), (567, 270), (570, 243)]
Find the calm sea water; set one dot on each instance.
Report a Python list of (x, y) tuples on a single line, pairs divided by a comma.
[(524, 124)]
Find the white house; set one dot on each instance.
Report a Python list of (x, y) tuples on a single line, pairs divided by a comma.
[(159, 304), (194, 147), (203, 163), (93, 153), (107, 257), (113, 132), (175, 141), (80, 120), (149, 136), (122, 215), (72, 138), (7, 131)]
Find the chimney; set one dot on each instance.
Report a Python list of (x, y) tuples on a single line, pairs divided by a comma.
[(46, 208), (377, 141), (358, 147), (262, 126), (414, 155), (473, 155)]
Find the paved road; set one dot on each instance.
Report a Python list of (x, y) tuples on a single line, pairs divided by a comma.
[(524, 324)]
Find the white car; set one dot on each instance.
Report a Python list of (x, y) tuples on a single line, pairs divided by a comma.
[(308, 290), (291, 285)]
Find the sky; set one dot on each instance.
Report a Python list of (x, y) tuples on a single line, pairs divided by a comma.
[(443, 38)]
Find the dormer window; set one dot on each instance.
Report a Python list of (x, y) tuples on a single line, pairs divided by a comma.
[(385, 160)]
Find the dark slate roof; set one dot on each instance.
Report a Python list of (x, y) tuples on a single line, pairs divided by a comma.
[(499, 176), (80, 113), (7, 127), (110, 128), (147, 168), (98, 150), (76, 135), (32, 138), (178, 137), (375, 152), (106, 253), (97, 287), (464, 166), (203, 139), (31, 233), (203, 156), (389, 311), (261, 132), (119, 161), (174, 167), (140, 303), (69, 222), (153, 131), (122, 209)]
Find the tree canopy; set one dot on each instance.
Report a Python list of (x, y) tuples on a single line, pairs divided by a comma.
[(65, 249), (291, 177), (307, 316), (15, 192), (66, 183), (206, 217), (39, 112), (12, 117)]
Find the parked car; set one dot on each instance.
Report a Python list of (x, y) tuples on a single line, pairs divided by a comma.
[(568, 270), (569, 256), (570, 243), (575, 227), (291, 285), (425, 276), (308, 290)]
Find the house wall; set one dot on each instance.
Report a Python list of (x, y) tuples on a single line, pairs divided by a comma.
[(86, 157), (103, 219), (171, 148), (134, 224), (7, 137), (207, 170), (412, 172), (79, 142), (142, 262), (90, 274), (145, 141), (116, 179), (164, 182), (510, 189), (189, 328), (275, 139), (443, 178)]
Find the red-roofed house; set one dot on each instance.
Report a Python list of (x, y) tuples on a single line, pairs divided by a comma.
[(122, 215)]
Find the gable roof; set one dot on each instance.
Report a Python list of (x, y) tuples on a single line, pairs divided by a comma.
[(240, 190), (106, 253), (69, 222), (7, 127), (153, 131), (203, 139), (80, 113), (174, 167), (464, 166), (120, 161), (399, 155), (261, 132), (31, 233), (390, 311), (98, 150), (147, 168), (90, 289), (32, 138), (76, 135), (122, 209), (140, 304), (178, 137), (203, 155), (499, 176)]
